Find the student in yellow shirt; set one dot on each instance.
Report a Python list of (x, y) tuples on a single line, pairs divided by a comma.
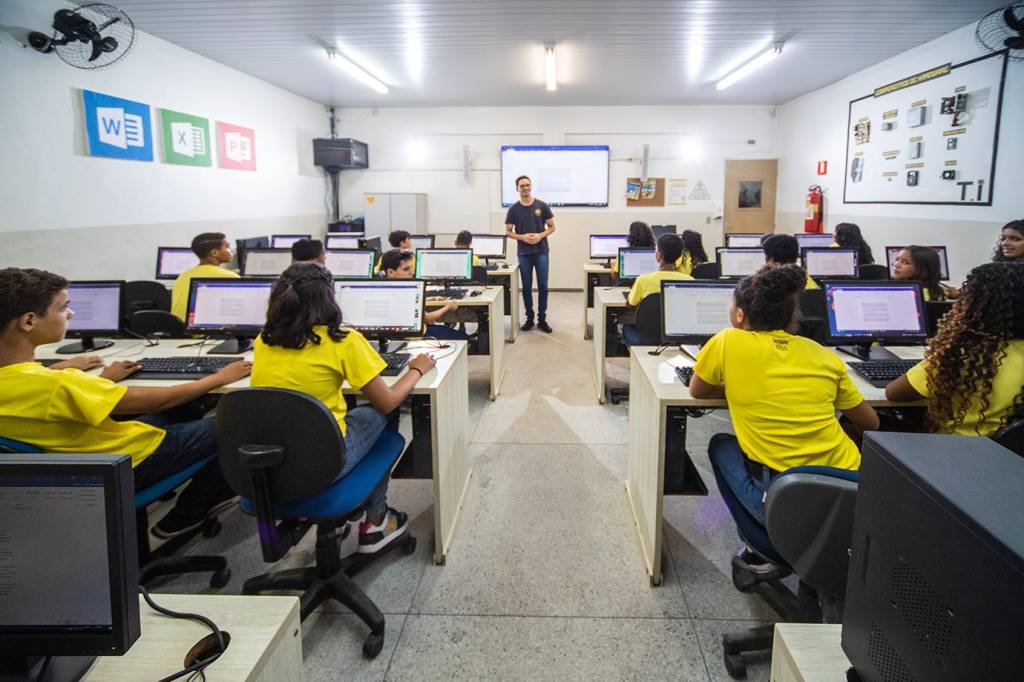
[(640, 236), (973, 370), (920, 263), (398, 264), (303, 347), (670, 248), (67, 410), (693, 252), (213, 251), (1011, 242), (464, 240), (309, 251), (783, 249), (782, 390)]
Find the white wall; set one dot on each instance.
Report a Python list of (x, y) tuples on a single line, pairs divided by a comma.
[(813, 128), (94, 217)]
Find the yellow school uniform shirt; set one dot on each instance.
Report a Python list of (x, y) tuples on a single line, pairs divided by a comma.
[(650, 283), (684, 263), (68, 410), (783, 391), (1006, 386), (811, 284), (476, 261), (318, 370), (179, 294)]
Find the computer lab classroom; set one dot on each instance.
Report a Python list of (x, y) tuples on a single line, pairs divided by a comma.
[(423, 340)]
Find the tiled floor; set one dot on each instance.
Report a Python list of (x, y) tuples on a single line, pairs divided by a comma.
[(545, 579)]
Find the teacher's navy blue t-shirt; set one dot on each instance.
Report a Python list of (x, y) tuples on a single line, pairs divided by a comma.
[(529, 219)]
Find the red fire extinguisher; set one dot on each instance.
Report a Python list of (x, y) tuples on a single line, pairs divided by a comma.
[(815, 203)]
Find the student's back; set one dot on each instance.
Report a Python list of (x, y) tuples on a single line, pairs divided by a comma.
[(669, 250), (213, 250)]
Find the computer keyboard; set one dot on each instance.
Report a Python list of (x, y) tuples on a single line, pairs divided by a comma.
[(453, 293), (182, 367), (880, 372), (396, 363), (684, 374)]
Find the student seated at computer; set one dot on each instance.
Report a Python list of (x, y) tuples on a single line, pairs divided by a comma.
[(309, 251), (669, 250), (783, 249), (213, 251), (693, 252), (399, 239), (303, 347), (399, 264), (782, 390), (67, 410), (464, 240), (921, 263), (847, 235), (640, 236), (1011, 242), (973, 370)]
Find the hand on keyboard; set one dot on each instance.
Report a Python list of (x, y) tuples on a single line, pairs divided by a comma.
[(233, 372), (120, 369)]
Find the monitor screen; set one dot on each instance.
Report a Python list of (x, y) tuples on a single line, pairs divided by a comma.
[(340, 241), (285, 241), (266, 262), (830, 262), (422, 241), (869, 311), (351, 262), (171, 261), (740, 262), (693, 312), (227, 304), (748, 240), (893, 252), (444, 263), (663, 229), (607, 245), (389, 307), (814, 240), (489, 245), (97, 307), (636, 262)]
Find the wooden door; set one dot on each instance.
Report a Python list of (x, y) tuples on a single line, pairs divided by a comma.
[(750, 195)]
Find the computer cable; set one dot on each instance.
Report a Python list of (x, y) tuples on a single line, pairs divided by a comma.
[(659, 349), (150, 341), (200, 665)]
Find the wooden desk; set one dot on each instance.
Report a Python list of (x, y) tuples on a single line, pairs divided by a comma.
[(606, 301), (440, 424), (593, 276), (654, 390), (492, 300), (266, 640), (508, 279), (807, 652)]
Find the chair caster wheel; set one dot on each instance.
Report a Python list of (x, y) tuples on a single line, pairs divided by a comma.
[(211, 530), (735, 666), (373, 645), (220, 578), (410, 546)]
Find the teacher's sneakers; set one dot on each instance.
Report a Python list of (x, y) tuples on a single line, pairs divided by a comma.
[(528, 325), (544, 326)]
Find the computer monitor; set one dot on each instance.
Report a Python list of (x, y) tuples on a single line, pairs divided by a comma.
[(744, 240), (607, 246), (693, 311), (449, 265), (893, 252), (422, 241), (236, 308), (69, 576), (171, 261), (635, 262), (382, 309), (371, 243), (242, 246), (351, 263), (342, 241), (864, 312), (813, 240), (936, 568), (266, 262), (285, 241), (831, 263), (739, 262), (663, 229), (97, 307), (489, 245)]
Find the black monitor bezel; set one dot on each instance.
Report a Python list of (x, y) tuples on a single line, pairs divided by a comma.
[(372, 243), (504, 245), (942, 251), (831, 239), (628, 281), (373, 262), (718, 259), (245, 266), (327, 238), (856, 261), (687, 284), (122, 557), (387, 334), (235, 331), (590, 243), (416, 260), (414, 237), (759, 235), (896, 340), (160, 252), (289, 236), (79, 333), (659, 230)]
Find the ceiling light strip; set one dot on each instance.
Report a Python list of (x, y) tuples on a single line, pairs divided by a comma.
[(750, 67)]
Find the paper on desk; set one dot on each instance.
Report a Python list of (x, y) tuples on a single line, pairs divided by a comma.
[(667, 368)]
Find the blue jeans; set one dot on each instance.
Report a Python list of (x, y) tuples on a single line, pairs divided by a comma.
[(633, 337), (729, 464), (527, 264), (363, 426), (441, 331)]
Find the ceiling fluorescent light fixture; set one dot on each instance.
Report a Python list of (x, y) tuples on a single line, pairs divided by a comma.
[(550, 68), (750, 67), (356, 72)]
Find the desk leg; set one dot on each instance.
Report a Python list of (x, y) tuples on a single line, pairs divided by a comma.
[(588, 300), (644, 481), (497, 345), (599, 343), (513, 303), (449, 413)]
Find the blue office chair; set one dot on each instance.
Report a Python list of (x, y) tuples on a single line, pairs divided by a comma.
[(809, 519), (645, 330), (281, 450), (162, 561)]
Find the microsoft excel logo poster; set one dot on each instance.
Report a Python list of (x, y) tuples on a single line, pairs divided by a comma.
[(186, 139)]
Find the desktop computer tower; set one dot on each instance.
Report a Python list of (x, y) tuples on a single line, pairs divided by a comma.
[(936, 583)]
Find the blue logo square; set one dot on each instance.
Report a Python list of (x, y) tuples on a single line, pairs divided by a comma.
[(118, 128)]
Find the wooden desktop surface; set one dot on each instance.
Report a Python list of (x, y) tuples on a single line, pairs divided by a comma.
[(493, 299)]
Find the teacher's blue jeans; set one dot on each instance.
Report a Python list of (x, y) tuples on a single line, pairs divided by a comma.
[(527, 264)]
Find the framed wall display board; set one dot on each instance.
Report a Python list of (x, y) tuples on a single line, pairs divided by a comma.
[(649, 193), (929, 138)]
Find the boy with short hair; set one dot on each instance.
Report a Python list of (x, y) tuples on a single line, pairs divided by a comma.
[(669, 249), (309, 251), (213, 250), (398, 264), (464, 240), (783, 249)]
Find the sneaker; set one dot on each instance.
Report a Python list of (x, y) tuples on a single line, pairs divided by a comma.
[(755, 563), (527, 326), (174, 523), (375, 538), (544, 327)]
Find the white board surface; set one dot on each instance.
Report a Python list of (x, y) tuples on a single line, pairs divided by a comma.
[(560, 175)]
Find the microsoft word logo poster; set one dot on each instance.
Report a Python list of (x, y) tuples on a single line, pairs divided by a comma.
[(186, 139), (118, 128)]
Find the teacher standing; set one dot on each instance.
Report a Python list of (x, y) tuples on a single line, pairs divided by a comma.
[(530, 222)]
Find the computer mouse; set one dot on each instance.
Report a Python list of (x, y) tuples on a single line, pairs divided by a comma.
[(474, 293)]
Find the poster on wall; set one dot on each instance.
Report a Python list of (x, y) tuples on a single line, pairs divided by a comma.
[(929, 138), (677, 191), (117, 128), (186, 139), (236, 147)]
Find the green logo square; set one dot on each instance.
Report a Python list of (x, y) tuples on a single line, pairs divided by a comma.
[(186, 139)]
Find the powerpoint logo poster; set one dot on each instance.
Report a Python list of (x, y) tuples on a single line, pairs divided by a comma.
[(186, 139), (236, 147), (118, 128)]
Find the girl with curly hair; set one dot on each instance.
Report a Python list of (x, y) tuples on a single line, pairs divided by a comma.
[(1011, 243), (973, 372)]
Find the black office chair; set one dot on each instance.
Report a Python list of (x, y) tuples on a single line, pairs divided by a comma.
[(934, 312), (281, 451), (644, 331), (872, 271), (156, 323), (812, 322), (145, 295), (709, 270), (1011, 437), (479, 275)]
